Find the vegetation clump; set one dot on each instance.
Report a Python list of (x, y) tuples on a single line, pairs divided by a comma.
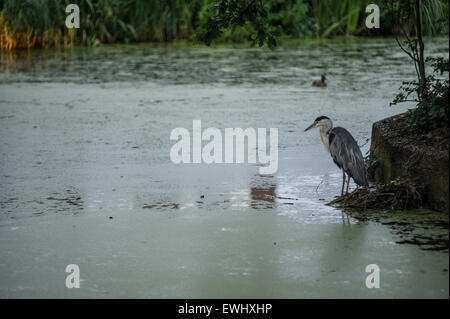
[(41, 23), (432, 110), (400, 194), (430, 92)]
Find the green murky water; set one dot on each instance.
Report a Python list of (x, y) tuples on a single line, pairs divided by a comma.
[(86, 176)]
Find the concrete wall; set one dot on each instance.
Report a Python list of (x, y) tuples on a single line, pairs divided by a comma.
[(404, 155)]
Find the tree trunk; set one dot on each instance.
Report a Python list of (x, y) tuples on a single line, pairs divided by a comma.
[(421, 62)]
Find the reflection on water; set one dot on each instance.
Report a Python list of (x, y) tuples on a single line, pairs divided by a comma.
[(263, 192), (262, 197)]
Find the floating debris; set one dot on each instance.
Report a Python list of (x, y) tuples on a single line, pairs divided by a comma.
[(162, 205), (398, 205), (423, 227), (66, 201)]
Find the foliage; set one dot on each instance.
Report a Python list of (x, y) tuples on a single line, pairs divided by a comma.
[(400, 15), (372, 163), (40, 23), (431, 91), (101, 21), (250, 14), (433, 111), (323, 18)]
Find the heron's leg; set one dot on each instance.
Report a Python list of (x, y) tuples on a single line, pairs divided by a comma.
[(348, 182), (343, 182)]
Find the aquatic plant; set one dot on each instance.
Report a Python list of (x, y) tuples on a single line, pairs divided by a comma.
[(40, 23), (399, 194)]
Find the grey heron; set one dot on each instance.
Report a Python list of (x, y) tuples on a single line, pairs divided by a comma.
[(343, 149)]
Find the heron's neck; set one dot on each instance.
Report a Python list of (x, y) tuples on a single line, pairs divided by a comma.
[(325, 135)]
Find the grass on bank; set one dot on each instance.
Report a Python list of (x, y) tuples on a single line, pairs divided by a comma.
[(41, 23)]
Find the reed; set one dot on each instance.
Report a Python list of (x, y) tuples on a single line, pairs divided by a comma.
[(40, 23)]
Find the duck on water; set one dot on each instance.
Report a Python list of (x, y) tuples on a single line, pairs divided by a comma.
[(320, 83)]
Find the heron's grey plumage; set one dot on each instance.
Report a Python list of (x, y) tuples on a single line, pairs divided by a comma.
[(343, 149), (347, 155)]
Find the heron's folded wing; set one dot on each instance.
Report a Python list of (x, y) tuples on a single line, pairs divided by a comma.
[(346, 153)]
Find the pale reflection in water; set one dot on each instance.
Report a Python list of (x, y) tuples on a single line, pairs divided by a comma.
[(263, 196)]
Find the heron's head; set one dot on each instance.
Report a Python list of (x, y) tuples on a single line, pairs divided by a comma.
[(320, 121), (323, 77)]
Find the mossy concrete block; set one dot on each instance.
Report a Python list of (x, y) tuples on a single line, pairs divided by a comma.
[(411, 155)]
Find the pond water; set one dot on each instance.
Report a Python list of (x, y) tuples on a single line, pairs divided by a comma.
[(86, 176)]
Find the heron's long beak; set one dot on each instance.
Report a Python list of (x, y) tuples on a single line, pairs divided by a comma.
[(310, 127)]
